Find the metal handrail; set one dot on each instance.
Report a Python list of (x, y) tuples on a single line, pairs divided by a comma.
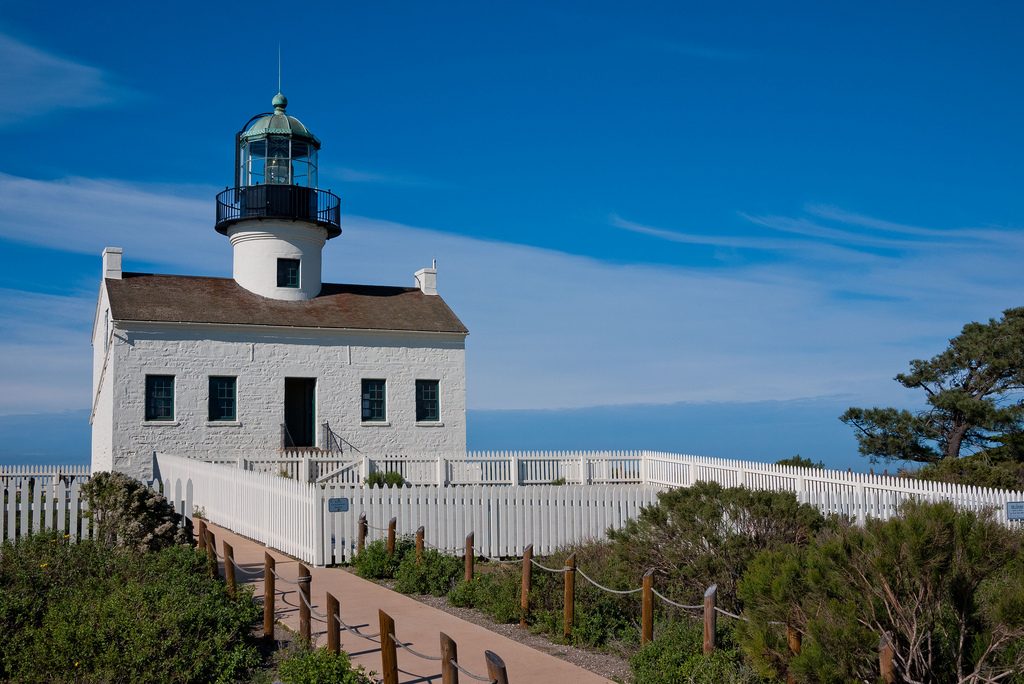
[(293, 202)]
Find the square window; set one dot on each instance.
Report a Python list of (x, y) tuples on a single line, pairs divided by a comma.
[(159, 397), (427, 401), (288, 273), (374, 401), (223, 398)]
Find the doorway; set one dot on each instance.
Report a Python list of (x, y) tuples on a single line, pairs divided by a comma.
[(300, 412)]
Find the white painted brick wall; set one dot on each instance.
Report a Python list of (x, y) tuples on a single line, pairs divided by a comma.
[(261, 359)]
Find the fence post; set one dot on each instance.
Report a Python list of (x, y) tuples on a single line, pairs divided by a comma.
[(388, 655), (449, 656), (885, 660), (442, 467), (211, 553), (361, 537), (419, 545), (647, 609), (569, 609), (333, 624), (269, 567), (304, 602), (364, 469), (392, 524), (584, 474), (513, 468), (229, 567), (524, 599), (710, 618), (469, 557), (794, 641), (496, 668), (201, 534)]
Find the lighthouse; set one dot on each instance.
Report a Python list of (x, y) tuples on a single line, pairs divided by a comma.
[(276, 216)]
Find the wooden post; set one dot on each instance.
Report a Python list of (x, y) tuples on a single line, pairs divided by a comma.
[(524, 599), (469, 557), (392, 525), (710, 618), (269, 567), (647, 609), (211, 553), (363, 527), (305, 626), (886, 655), (201, 534), (496, 668), (449, 655), (419, 545), (333, 624), (388, 654), (229, 567), (569, 610), (794, 641)]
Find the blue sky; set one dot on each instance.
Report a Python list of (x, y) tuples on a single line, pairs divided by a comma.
[(711, 227)]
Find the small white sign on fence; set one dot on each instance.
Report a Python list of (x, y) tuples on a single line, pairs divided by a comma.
[(1015, 510)]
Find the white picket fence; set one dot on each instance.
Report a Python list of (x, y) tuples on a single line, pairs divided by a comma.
[(35, 499)]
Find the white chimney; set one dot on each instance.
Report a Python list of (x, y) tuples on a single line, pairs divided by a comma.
[(426, 279), (112, 262)]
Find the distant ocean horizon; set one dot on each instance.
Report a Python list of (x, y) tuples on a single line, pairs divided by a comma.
[(757, 431)]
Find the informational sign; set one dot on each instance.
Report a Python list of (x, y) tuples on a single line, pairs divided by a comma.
[(1015, 510), (340, 505)]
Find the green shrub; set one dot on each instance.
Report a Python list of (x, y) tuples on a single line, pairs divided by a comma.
[(676, 655), (801, 462), (494, 593), (313, 666), (375, 563), (944, 583), (129, 514), (435, 575), (388, 479), (998, 468), (77, 612), (706, 534)]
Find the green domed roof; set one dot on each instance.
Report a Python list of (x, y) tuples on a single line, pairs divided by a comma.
[(280, 123)]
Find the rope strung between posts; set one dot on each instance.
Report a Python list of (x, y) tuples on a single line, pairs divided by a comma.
[(250, 573), (355, 630), (470, 674), (673, 603), (620, 592), (558, 570), (498, 560), (283, 579), (322, 617), (374, 527), (416, 653), (732, 615)]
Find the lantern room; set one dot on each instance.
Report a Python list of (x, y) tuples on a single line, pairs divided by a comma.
[(277, 149)]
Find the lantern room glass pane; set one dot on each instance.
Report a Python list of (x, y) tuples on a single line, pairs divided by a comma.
[(278, 161)]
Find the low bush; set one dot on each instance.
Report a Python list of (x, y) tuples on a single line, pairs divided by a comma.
[(313, 666), (676, 655), (435, 575), (494, 593), (374, 561), (388, 479), (129, 514), (77, 612)]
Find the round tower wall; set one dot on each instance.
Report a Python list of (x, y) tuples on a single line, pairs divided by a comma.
[(259, 244)]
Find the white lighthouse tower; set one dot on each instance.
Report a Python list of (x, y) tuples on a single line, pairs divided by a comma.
[(276, 217)]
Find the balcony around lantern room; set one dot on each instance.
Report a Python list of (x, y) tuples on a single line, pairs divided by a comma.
[(290, 202)]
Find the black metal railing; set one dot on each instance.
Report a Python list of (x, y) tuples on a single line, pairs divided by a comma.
[(281, 202)]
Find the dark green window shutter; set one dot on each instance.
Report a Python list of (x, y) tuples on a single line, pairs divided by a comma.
[(427, 401)]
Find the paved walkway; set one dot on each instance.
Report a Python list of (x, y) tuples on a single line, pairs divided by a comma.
[(416, 624)]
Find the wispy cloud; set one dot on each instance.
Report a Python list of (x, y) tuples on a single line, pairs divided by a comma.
[(40, 82), (349, 175), (548, 329)]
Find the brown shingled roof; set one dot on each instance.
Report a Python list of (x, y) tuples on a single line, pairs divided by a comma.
[(193, 299)]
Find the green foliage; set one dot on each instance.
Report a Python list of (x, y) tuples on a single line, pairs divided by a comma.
[(799, 461), (76, 612), (676, 655), (388, 479), (973, 390), (944, 583), (705, 534), (436, 574), (129, 514), (495, 593), (375, 563), (558, 481), (1000, 468), (313, 666)]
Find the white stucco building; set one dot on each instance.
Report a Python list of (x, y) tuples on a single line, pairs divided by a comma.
[(272, 358)]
